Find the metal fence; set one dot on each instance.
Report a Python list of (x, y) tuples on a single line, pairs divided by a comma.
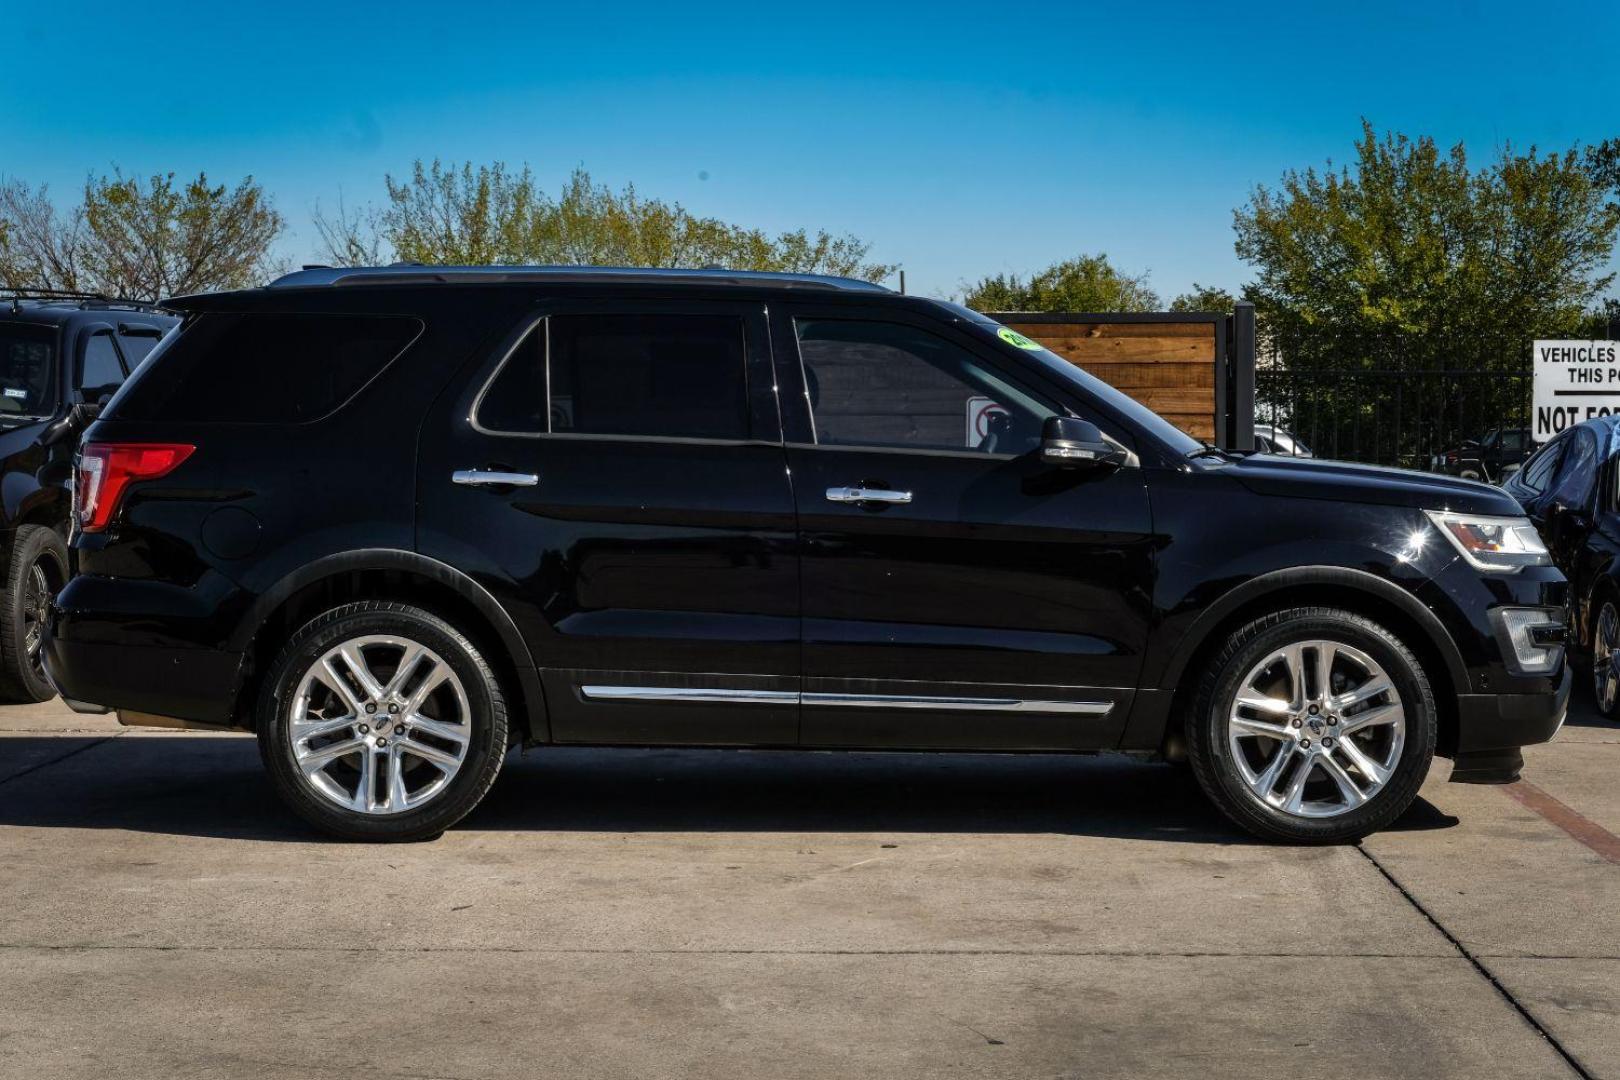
[(1401, 418)]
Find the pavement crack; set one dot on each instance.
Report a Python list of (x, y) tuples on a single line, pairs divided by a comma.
[(519, 950), (1479, 966)]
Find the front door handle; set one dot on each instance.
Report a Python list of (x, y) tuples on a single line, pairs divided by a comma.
[(863, 494), (493, 478)]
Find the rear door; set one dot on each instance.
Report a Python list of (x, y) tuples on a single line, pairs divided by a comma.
[(957, 591), (615, 474)]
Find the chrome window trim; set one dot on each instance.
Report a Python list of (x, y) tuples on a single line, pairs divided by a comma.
[(727, 696)]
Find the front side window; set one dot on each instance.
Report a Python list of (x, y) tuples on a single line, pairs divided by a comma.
[(1538, 470), (892, 385), (1577, 473), (100, 372), (27, 386), (664, 376)]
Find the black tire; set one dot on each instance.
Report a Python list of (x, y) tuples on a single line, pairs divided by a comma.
[(1212, 755), (486, 718), (1604, 658), (39, 558)]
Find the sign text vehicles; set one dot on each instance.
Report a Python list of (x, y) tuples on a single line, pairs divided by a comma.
[(1573, 381)]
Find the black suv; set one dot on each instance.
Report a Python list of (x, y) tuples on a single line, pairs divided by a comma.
[(398, 520), (60, 354)]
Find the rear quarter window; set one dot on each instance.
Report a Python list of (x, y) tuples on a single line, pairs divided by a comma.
[(263, 368)]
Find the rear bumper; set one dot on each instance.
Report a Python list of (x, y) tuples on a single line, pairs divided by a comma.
[(191, 684), (1492, 727)]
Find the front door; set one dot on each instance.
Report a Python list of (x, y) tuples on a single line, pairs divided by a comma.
[(615, 476), (957, 591)]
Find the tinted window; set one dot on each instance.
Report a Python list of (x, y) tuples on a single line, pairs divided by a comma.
[(136, 348), (1539, 469), (1513, 441), (672, 376), (100, 372), (264, 369), (1577, 472), (886, 384), (26, 383)]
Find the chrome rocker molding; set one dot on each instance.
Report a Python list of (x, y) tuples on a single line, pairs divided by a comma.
[(849, 701)]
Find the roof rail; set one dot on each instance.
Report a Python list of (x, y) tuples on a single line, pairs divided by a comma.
[(86, 300), (420, 274)]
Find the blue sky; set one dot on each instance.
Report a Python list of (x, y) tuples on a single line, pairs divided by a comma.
[(958, 139)]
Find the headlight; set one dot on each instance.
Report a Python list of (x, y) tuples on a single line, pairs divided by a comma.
[(1492, 543)]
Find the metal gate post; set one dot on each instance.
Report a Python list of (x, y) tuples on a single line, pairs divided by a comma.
[(1240, 376)]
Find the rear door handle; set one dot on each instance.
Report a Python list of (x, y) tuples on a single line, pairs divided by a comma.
[(493, 478), (861, 494)]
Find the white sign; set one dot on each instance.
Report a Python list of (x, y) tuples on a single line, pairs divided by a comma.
[(1574, 381), (979, 412)]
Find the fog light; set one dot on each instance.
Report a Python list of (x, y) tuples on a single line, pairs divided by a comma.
[(1532, 639)]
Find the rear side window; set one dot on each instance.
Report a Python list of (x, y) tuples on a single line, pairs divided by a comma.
[(264, 368), (27, 382), (100, 372), (669, 376)]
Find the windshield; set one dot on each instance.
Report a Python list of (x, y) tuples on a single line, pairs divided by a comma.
[(27, 388), (1132, 410)]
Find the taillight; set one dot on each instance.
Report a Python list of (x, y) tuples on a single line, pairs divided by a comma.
[(106, 469)]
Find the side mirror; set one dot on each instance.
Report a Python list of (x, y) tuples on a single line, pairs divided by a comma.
[(77, 419), (1069, 443)]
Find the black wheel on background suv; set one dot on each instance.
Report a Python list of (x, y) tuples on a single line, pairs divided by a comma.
[(38, 569), (1606, 659), (380, 721), (1312, 725)]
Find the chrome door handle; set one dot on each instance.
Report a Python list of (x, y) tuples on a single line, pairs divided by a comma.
[(490, 478), (860, 494)]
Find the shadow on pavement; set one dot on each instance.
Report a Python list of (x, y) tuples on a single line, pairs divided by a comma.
[(215, 787)]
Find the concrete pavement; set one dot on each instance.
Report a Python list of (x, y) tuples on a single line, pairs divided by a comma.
[(668, 913)]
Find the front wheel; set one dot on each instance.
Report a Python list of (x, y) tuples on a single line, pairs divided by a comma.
[(1312, 725), (380, 721)]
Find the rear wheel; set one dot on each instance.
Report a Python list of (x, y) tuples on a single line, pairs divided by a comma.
[(380, 721), (38, 570), (1606, 660), (1312, 725)]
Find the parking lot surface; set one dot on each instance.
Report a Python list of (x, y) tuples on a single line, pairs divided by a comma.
[(712, 914)]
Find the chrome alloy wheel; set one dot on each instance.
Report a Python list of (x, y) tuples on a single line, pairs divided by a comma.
[(1606, 659), (1316, 729), (379, 725)]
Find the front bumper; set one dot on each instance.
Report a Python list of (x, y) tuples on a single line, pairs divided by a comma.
[(1492, 727)]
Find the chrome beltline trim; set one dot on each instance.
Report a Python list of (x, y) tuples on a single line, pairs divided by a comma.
[(854, 701)]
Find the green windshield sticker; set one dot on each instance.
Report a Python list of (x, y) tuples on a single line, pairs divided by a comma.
[(1013, 337)]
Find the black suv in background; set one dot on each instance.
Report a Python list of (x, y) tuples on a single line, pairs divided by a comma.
[(397, 520), (58, 352)]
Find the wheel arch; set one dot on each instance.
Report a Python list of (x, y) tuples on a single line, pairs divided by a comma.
[(1319, 586), (391, 574)]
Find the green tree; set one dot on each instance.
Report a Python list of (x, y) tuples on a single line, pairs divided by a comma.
[(489, 214), (1411, 259), (139, 239), (1204, 298), (1084, 283)]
